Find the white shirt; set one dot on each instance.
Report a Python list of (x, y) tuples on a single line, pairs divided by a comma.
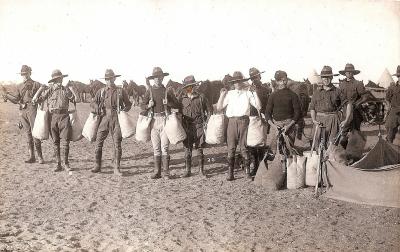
[(237, 102)]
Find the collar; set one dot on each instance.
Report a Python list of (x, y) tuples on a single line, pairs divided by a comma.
[(194, 95), (111, 87), (331, 87)]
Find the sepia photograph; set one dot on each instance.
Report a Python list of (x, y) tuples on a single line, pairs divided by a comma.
[(214, 125)]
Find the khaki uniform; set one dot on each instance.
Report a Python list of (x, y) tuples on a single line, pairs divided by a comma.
[(24, 95), (393, 119), (105, 105), (326, 103), (57, 98)]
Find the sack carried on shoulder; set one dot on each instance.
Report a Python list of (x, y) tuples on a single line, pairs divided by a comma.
[(41, 125), (76, 126), (89, 130), (174, 129), (257, 132), (143, 128), (126, 123), (215, 133)]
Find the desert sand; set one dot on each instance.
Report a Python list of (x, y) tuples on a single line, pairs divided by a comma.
[(41, 210)]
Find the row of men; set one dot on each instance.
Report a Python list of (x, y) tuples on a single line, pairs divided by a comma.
[(281, 108)]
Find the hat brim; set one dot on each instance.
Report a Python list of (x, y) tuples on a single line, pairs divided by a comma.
[(109, 77), (327, 75), (57, 77), (21, 73), (396, 74), (343, 72), (257, 74), (158, 75), (191, 84), (238, 80)]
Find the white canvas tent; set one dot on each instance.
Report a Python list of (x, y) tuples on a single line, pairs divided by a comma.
[(385, 80)]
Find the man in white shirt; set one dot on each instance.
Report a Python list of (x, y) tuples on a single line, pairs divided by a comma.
[(237, 103)]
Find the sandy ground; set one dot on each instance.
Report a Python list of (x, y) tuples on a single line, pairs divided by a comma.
[(45, 211)]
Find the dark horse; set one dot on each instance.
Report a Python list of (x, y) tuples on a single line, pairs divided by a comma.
[(136, 91)]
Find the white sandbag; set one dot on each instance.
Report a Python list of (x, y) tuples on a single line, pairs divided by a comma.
[(312, 160), (41, 125), (173, 129), (89, 130), (143, 128), (256, 133), (296, 172), (126, 123), (76, 126), (215, 133)]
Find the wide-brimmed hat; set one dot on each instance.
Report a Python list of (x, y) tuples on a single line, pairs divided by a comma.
[(238, 77), (110, 74), (189, 81), (397, 71), (56, 74), (280, 75), (25, 69), (253, 72), (349, 68), (158, 72), (327, 72)]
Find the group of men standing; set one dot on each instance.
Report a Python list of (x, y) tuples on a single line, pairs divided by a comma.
[(282, 110)]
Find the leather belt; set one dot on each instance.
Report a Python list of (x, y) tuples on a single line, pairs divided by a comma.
[(159, 114), (239, 117), (59, 111), (326, 113)]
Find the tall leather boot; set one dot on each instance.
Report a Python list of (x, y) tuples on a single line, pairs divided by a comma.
[(246, 163), (157, 168), (231, 166), (98, 154), (58, 158), (31, 153), (165, 162), (117, 162), (66, 154), (188, 163), (201, 163), (38, 146)]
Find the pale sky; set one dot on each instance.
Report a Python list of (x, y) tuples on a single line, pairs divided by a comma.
[(205, 38)]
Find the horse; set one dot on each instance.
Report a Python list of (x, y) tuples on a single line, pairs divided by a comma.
[(81, 88)]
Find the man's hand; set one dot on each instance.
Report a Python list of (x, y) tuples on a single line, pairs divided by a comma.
[(316, 122), (286, 128), (223, 91), (151, 104), (344, 124)]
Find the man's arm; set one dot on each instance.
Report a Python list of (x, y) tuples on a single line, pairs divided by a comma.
[(145, 101), (255, 100), (126, 101), (222, 100)]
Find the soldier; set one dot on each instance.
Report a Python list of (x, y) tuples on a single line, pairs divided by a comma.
[(237, 103), (106, 104), (393, 119), (23, 96), (324, 107), (351, 90), (158, 101), (195, 110), (283, 110), (58, 98), (263, 92)]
